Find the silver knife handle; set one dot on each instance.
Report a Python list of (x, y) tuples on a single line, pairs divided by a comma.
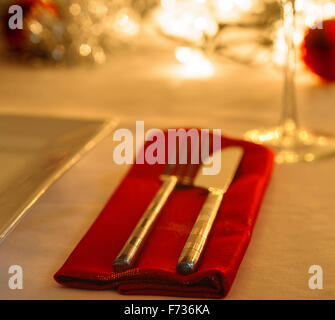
[(131, 249), (190, 255)]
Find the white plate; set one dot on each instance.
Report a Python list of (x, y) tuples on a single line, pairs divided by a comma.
[(34, 152)]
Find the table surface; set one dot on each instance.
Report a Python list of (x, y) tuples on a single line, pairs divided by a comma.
[(296, 222)]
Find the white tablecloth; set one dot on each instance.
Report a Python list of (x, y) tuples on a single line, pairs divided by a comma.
[(296, 223)]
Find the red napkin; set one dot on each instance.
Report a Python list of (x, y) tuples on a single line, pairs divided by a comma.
[(90, 265)]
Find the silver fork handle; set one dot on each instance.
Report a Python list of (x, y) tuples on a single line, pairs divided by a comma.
[(132, 247), (195, 243)]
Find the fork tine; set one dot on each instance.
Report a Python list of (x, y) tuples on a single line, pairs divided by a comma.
[(184, 171)]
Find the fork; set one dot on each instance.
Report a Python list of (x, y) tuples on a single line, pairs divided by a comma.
[(173, 174)]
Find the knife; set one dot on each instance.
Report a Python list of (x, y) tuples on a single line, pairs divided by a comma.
[(217, 187)]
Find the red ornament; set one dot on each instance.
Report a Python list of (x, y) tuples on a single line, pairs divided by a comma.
[(18, 39), (318, 50)]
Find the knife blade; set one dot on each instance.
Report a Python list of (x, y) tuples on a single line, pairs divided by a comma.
[(217, 186)]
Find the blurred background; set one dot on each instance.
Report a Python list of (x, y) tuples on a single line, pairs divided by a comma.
[(210, 63)]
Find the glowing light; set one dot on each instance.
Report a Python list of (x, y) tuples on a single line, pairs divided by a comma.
[(188, 20), (311, 13), (200, 23), (310, 21), (183, 54), (322, 140), (269, 136), (123, 20), (194, 63), (299, 5), (232, 9), (329, 10), (280, 47), (98, 55), (225, 5), (125, 24), (309, 157), (244, 5), (192, 19), (298, 37), (84, 50), (35, 27), (168, 4), (261, 137)]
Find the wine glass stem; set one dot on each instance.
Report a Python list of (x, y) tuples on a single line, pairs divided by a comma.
[(289, 122)]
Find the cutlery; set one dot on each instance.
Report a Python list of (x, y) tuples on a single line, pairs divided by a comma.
[(174, 173), (194, 246)]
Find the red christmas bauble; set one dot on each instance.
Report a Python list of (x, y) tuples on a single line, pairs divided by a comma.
[(318, 50), (18, 39)]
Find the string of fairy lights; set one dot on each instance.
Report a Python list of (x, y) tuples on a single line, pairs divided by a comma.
[(200, 29), (196, 20)]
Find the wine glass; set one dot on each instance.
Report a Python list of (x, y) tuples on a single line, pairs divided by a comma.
[(291, 142)]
